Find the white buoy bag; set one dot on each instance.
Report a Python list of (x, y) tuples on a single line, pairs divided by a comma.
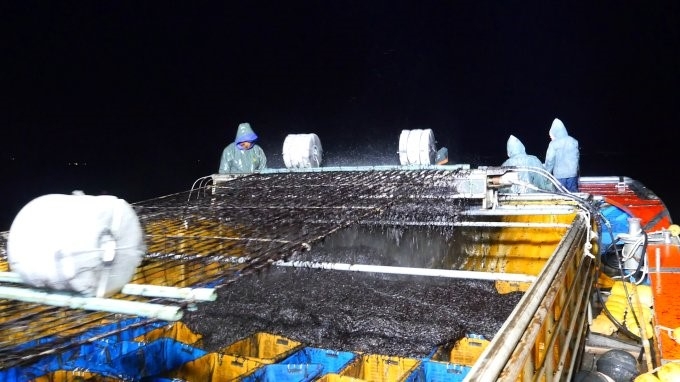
[(302, 151), (417, 147), (87, 244)]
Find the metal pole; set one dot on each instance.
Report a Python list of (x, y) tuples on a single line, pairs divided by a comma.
[(134, 308), (146, 290), (451, 273), (197, 294)]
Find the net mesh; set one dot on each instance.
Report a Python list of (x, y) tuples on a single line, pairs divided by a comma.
[(215, 233)]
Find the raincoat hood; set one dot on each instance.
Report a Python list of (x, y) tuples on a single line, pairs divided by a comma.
[(515, 147), (245, 133), (557, 129)]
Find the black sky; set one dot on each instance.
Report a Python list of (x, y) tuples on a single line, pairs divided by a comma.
[(138, 89)]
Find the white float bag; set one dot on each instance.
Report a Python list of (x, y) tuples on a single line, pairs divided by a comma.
[(416, 147), (87, 244), (302, 151)]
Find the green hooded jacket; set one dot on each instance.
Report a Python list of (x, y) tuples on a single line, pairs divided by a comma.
[(235, 159)]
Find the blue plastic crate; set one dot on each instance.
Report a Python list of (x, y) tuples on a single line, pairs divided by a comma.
[(99, 355), (155, 358), (278, 372), (435, 371), (96, 356), (332, 361)]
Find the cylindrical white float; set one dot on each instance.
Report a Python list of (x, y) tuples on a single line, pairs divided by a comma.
[(302, 151), (417, 147), (87, 244)]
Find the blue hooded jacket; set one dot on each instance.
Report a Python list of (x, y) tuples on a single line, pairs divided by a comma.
[(518, 157), (562, 156)]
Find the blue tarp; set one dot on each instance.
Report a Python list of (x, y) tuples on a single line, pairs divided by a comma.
[(618, 220)]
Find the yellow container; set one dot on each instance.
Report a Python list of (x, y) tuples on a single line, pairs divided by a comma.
[(467, 350), (177, 331), (333, 377), (215, 367), (262, 347), (374, 367), (73, 376)]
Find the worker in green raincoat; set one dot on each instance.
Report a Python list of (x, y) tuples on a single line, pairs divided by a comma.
[(243, 155)]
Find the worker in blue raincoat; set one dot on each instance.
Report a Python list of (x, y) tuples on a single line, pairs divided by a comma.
[(518, 157), (442, 156), (243, 155), (562, 156)]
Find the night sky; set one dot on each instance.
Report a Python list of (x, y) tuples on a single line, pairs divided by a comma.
[(144, 95)]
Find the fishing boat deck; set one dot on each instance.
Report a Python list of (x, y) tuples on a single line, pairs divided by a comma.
[(238, 235), (662, 258)]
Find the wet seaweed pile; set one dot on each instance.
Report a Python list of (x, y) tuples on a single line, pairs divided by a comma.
[(400, 315), (380, 314)]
